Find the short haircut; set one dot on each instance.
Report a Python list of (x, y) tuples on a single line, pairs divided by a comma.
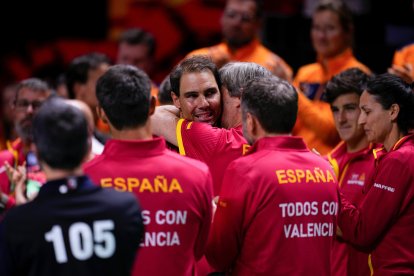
[(78, 70), (34, 84), (137, 36), (193, 64), (124, 93), (259, 6), (341, 9), (389, 89), (60, 133), (352, 80), (236, 75), (164, 92), (273, 101)]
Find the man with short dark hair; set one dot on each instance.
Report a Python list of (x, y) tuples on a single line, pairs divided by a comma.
[(241, 22), (277, 208), (352, 159), (72, 227), (81, 78), (137, 47), (216, 147), (195, 85), (175, 191)]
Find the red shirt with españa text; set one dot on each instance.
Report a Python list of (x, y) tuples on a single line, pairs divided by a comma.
[(277, 212), (175, 193)]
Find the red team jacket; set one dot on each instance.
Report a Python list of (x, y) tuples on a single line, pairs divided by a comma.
[(216, 147), (277, 212), (175, 194), (353, 170), (384, 219)]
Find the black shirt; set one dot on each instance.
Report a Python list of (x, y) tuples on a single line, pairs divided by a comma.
[(72, 227)]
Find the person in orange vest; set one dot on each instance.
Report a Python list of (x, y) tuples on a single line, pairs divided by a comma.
[(332, 37)]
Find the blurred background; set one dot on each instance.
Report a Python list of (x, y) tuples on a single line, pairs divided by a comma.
[(39, 38)]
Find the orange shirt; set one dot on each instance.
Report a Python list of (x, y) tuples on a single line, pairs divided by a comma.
[(315, 122), (405, 55), (253, 52)]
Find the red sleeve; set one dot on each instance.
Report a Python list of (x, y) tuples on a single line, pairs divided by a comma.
[(226, 234), (197, 140), (383, 203), (206, 198)]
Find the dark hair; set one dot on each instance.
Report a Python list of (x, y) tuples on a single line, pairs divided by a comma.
[(273, 101), (78, 71), (389, 89), (236, 75), (137, 36), (34, 84), (352, 80), (193, 64), (341, 9), (259, 6), (60, 133), (164, 92), (124, 93)]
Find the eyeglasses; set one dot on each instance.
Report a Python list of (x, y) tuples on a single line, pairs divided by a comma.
[(22, 105), (244, 17)]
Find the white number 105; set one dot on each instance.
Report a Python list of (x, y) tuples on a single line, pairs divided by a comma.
[(83, 241)]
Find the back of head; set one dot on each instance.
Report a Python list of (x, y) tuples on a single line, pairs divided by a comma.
[(137, 36), (352, 80), (60, 133), (389, 89), (79, 69), (124, 93), (273, 101), (193, 64), (164, 94), (236, 75)]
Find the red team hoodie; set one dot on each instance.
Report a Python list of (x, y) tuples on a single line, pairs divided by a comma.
[(277, 212), (175, 193), (384, 221)]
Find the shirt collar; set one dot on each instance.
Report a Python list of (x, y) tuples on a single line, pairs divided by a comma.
[(151, 147), (279, 143), (66, 185), (338, 61)]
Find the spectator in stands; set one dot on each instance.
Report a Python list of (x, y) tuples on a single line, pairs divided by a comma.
[(241, 22)]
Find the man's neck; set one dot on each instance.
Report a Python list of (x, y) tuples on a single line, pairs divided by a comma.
[(141, 133)]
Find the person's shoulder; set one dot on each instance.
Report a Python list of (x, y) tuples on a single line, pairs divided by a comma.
[(91, 164), (200, 51), (307, 71)]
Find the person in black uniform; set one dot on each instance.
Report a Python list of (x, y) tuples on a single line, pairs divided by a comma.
[(73, 227)]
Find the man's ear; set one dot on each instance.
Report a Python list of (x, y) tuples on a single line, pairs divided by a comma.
[(153, 103), (79, 90), (176, 100), (101, 114), (394, 111)]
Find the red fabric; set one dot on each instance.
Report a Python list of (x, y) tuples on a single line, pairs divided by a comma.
[(353, 171), (216, 147), (253, 229), (187, 203), (384, 219)]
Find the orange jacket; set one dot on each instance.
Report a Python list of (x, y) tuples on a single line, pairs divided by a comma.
[(253, 52), (405, 55), (315, 121)]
